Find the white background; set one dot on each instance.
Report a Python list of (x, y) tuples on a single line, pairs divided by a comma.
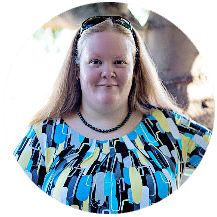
[(19, 196)]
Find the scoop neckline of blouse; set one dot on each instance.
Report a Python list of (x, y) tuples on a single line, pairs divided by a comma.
[(105, 140)]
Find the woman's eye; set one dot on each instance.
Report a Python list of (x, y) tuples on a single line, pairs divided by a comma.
[(120, 62), (96, 61)]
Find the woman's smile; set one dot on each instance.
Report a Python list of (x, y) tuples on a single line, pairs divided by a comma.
[(107, 85)]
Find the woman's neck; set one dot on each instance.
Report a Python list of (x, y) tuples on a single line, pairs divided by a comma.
[(104, 119)]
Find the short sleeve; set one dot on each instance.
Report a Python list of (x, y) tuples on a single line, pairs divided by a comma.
[(29, 156), (194, 139)]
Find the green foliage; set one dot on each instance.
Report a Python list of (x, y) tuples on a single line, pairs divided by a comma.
[(53, 32)]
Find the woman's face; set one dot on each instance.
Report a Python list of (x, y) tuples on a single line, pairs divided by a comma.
[(106, 70)]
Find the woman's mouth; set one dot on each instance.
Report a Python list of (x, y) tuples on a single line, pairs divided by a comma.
[(108, 85)]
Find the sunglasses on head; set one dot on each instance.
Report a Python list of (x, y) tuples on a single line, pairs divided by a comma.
[(92, 21)]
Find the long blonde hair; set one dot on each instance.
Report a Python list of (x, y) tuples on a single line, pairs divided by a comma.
[(147, 87)]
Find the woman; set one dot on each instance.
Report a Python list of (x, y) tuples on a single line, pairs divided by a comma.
[(110, 139)]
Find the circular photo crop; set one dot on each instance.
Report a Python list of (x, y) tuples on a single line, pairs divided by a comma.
[(124, 110)]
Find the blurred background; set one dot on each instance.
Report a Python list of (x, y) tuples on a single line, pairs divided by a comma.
[(179, 64)]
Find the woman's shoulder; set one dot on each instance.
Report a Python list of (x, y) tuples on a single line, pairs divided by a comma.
[(180, 119), (165, 113), (46, 126)]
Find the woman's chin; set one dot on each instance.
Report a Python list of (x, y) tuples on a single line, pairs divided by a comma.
[(108, 101)]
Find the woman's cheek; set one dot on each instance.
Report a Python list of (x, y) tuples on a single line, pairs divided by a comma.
[(94, 78)]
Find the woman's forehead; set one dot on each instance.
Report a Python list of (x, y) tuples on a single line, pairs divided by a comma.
[(107, 36), (106, 44), (107, 40)]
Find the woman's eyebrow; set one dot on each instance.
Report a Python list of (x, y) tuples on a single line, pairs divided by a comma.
[(94, 56), (97, 55), (121, 56)]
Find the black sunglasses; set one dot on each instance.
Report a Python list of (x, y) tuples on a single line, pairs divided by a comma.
[(92, 21)]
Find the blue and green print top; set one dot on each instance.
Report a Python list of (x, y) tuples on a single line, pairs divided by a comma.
[(116, 175)]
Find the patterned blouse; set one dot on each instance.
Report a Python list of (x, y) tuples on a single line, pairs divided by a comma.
[(116, 175)]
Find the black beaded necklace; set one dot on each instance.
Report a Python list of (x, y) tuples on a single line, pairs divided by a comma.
[(105, 131)]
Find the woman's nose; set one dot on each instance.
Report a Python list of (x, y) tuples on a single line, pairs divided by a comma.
[(108, 70)]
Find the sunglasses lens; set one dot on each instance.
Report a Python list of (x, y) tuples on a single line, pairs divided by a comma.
[(124, 23), (91, 22)]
